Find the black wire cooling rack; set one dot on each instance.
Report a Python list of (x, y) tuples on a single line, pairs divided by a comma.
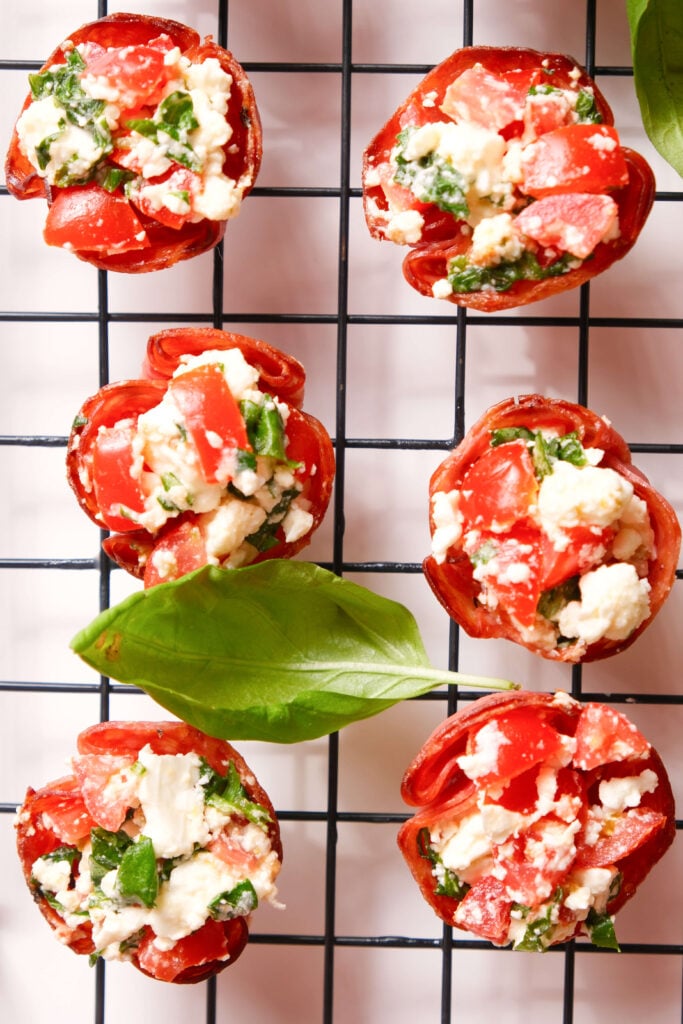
[(450, 949)]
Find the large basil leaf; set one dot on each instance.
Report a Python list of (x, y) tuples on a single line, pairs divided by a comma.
[(656, 45), (282, 651)]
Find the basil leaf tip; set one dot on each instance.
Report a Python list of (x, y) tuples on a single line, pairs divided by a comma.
[(656, 28), (282, 651)]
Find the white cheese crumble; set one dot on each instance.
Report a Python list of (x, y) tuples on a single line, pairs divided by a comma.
[(614, 602), (581, 495)]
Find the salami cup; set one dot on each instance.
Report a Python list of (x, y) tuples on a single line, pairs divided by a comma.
[(545, 533), (207, 459), (504, 177), (142, 137), (155, 850), (539, 818)]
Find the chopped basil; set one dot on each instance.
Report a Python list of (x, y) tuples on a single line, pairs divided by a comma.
[(485, 553), (226, 793), (431, 178), (137, 880), (544, 450), (169, 128), (265, 428), (586, 109), (107, 850), (237, 902), (111, 178), (465, 277), (70, 853), (448, 883), (245, 460), (601, 930), (532, 940), (551, 602), (265, 537)]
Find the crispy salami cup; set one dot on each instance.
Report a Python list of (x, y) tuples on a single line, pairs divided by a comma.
[(504, 176), (155, 850), (207, 459), (142, 137), (545, 533), (539, 818)]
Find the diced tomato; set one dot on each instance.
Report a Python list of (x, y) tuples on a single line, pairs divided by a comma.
[(586, 547), (604, 735), (93, 771), (543, 113), (66, 814), (527, 740), (573, 223), (485, 910), (499, 487), (212, 417), (479, 97), (532, 864), (140, 72), (574, 158), (231, 852), (88, 218), (516, 582), (179, 181), (181, 549), (207, 945), (623, 835), (113, 482)]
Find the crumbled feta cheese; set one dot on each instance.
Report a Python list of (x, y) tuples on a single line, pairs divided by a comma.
[(448, 521), (626, 791), (614, 602), (405, 227), (484, 758), (172, 801), (442, 288), (494, 240), (580, 496)]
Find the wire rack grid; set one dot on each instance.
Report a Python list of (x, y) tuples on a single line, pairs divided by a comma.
[(396, 378)]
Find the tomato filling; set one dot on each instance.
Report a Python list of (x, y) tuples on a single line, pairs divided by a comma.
[(534, 855), (506, 145), (206, 472), (557, 544)]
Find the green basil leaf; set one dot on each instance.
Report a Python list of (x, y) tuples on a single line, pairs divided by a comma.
[(238, 902), (137, 880), (107, 849), (601, 930), (656, 28), (281, 650)]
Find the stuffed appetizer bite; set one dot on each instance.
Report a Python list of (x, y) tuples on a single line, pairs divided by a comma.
[(155, 850), (539, 818), (545, 533), (504, 176), (209, 459), (142, 138)]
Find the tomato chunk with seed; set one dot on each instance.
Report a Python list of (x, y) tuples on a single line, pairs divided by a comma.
[(116, 489), (623, 835), (479, 97), (573, 223), (499, 487), (88, 218), (512, 566), (574, 158), (180, 183), (485, 911), (180, 550), (525, 740), (207, 945), (140, 72), (604, 735), (93, 771), (212, 417), (586, 547)]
